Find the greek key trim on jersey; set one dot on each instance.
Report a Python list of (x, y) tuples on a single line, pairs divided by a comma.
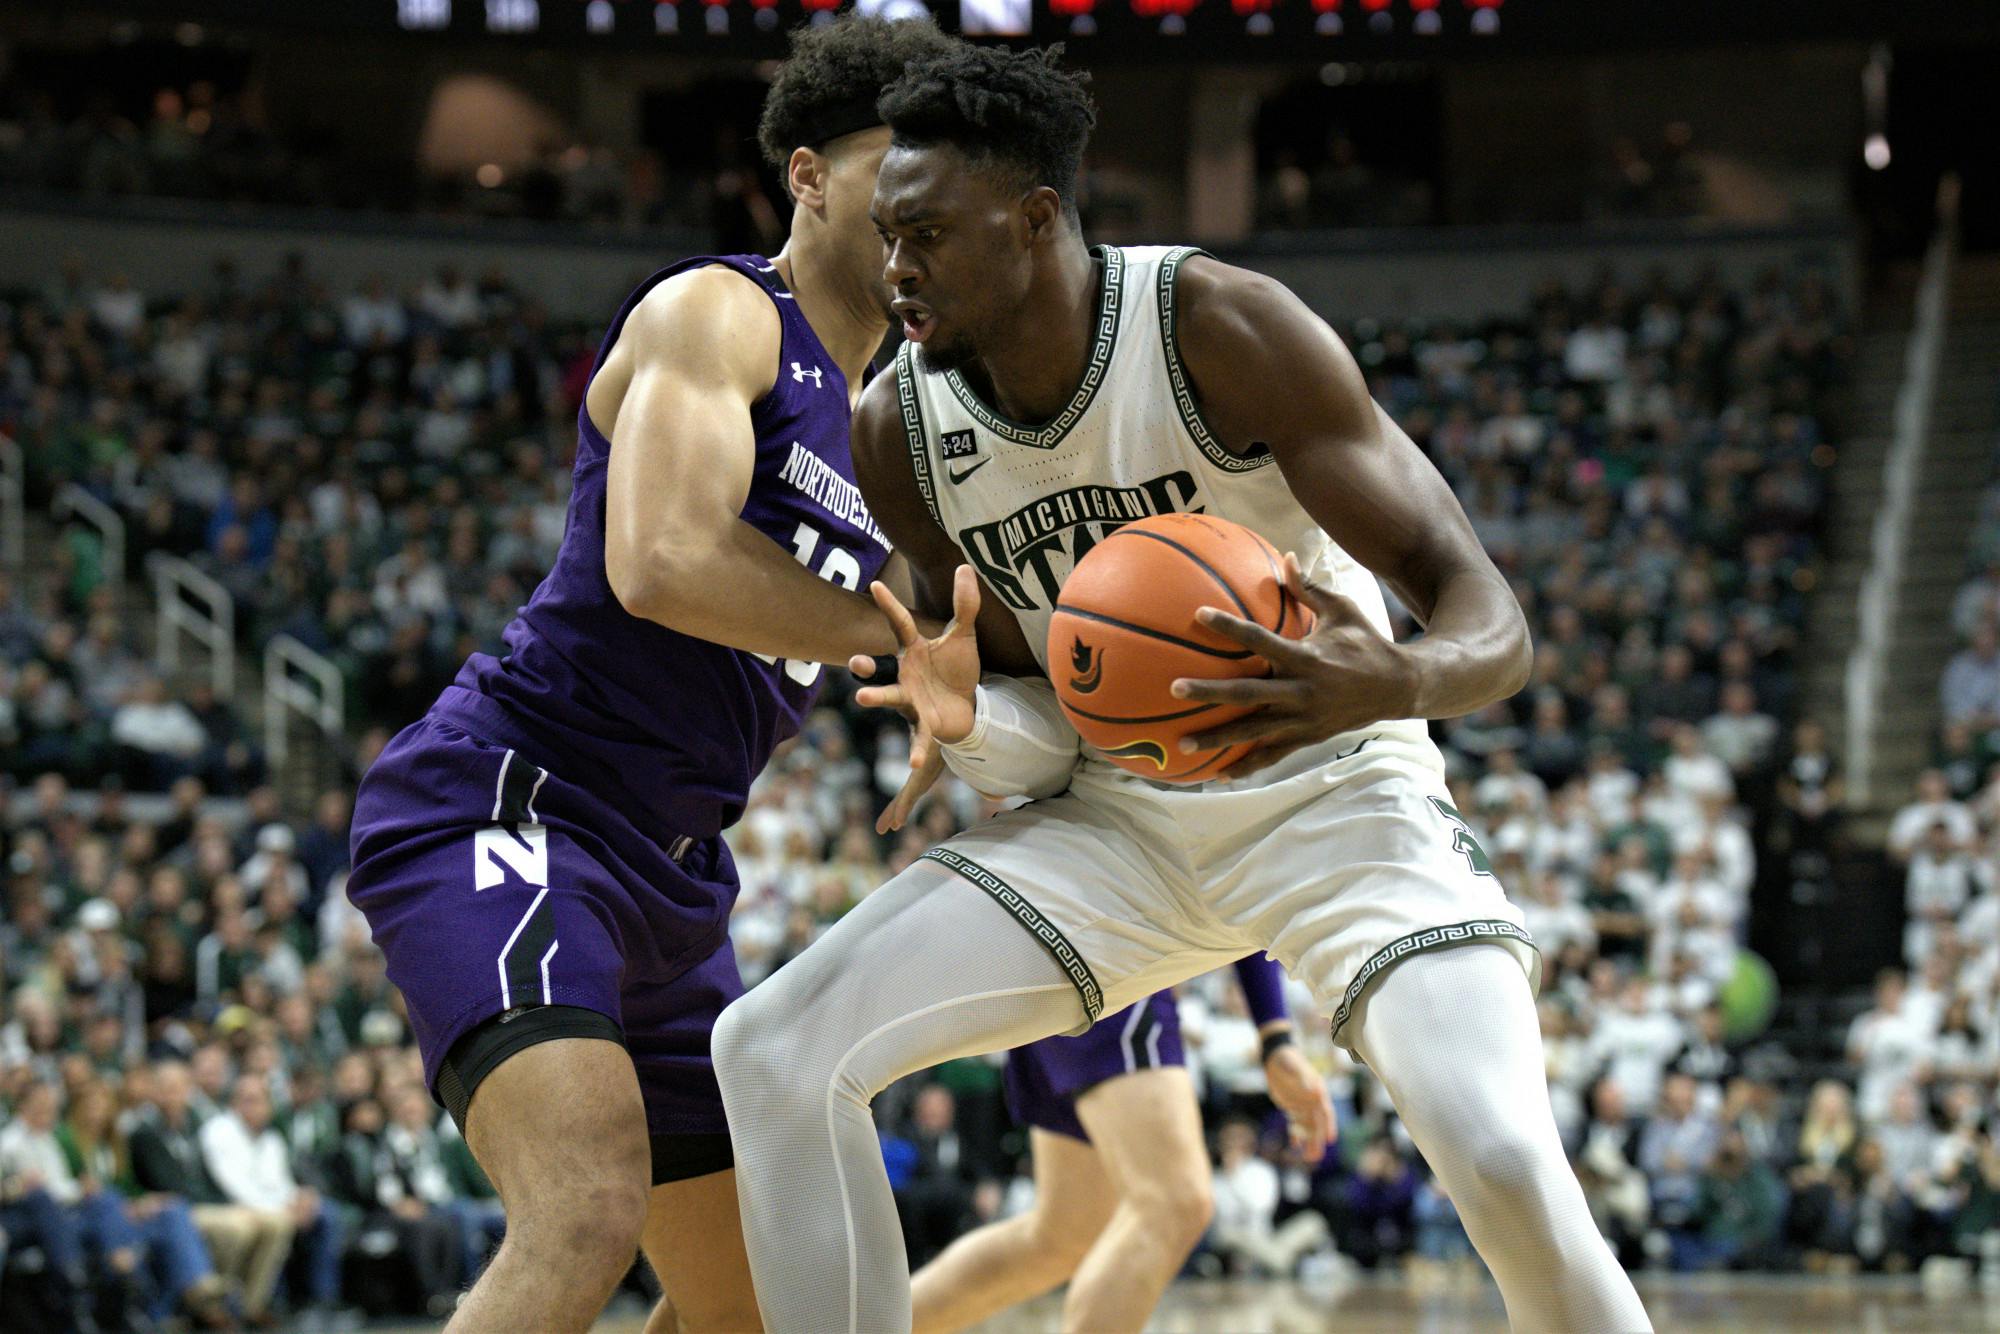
[(913, 431), (1177, 375), (1030, 917), (1050, 434), (1417, 942)]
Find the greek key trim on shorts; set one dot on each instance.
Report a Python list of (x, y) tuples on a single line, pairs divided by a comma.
[(1030, 917), (1430, 938)]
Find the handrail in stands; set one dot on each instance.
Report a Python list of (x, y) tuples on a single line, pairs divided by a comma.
[(1889, 539), (190, 603), (75, 502), (13, 503), (299, 680)]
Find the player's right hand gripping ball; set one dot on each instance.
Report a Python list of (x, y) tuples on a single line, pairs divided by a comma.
[(1124, 631)]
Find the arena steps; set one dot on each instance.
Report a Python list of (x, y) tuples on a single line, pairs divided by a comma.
[(1959, 460)]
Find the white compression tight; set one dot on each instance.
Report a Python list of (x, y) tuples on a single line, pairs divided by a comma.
[(1454, 1038), (927, 968)]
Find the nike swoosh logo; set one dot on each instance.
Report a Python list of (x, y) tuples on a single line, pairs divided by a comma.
[(957, 477)]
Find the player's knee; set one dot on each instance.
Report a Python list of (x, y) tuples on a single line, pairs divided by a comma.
[(1510, 1175), (748, 1047), (599, 1228), (1177, 1207)]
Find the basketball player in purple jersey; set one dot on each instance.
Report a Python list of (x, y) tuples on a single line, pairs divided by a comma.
[(540, 857), (1122, 1180)]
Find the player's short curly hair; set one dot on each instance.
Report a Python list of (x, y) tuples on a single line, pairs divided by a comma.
[(834, 74), (1019, 111)]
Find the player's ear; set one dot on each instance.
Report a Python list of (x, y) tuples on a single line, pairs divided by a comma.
[(805, 177), (1042, 211)]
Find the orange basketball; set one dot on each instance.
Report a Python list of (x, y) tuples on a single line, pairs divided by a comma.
[(1124, 631)]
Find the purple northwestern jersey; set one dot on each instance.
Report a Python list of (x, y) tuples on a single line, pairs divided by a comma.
[(670, 728)]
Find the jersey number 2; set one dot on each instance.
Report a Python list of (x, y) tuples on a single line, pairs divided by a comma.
[(840, 568)]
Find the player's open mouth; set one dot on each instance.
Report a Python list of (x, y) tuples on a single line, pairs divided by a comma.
[(918, 322)]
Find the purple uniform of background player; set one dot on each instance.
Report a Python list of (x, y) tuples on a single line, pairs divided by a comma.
[(549, 833), (1044, 1079)]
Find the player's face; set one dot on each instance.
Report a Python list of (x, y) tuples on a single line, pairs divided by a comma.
[(852, 162), (955, 252)]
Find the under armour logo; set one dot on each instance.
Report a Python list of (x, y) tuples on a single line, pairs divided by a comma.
[(799, 373)]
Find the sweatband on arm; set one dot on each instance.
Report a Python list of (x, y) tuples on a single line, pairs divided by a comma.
[(1020, 744)]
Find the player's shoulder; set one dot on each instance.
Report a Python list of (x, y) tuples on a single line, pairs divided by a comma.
[(878, 421), (1217, 303), (711, 311)]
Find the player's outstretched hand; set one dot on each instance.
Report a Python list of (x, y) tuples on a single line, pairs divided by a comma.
[(1342, 674), (1300, 1093), (935, 680)]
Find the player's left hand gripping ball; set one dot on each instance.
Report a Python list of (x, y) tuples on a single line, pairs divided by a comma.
[(1340, 675)]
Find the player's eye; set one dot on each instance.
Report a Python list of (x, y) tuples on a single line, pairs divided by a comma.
[(927, 234)]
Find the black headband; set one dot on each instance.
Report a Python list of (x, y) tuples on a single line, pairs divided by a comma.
[(850, 117)]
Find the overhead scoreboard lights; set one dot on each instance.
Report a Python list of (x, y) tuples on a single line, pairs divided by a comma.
[(598, 19)]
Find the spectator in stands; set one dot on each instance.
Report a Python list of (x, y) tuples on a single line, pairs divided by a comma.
[(936, 1200), (1890, 1043), (41, 1204), (1740, 736), (1943, 877), (1810, 788), (1675, 1149), (248, 1247), (160, 735), (1245, 1231), (1970, 690), (251, 1166), (1739, 1211), (1934, 804), (156, 1224), (412, 1188)]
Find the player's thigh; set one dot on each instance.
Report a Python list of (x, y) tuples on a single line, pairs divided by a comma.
[(1146, 1128), (1074, 1195), (1086, 880), (694, 1241), (560, 1129), (1376, 869)]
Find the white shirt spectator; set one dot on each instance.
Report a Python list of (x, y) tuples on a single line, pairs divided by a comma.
[(119, 307), (251, 1170), (450, 300), (1246, 1197), (1914, 820), (1635, 1048), (1891, 1049), (158, 727), (1698, 775), (1938, 887), (370, 312), (1595, 352), (25, 1152), (1612, 792)]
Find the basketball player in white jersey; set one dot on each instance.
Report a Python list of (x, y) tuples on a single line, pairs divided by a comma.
[(1053, 391)]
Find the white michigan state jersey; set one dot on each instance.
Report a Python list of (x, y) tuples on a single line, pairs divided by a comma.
[(1026, 503)]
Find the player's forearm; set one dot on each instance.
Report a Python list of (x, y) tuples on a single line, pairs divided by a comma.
[(738, 588), (1263, 984), (1475, 649)]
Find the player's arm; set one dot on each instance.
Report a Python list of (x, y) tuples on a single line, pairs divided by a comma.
[(1295, 1086), (882, 467), (1267, 371), (696, 355), (999, 734)]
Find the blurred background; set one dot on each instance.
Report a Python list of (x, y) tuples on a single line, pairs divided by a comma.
[(1695, 306)]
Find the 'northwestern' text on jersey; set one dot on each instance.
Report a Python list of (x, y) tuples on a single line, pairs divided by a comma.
[(670, 727)]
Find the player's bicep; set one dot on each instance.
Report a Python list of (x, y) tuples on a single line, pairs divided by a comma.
[(1351, 467), (683, 446)]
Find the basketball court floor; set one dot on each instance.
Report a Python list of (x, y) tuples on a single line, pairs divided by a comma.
[(1714, 1304)]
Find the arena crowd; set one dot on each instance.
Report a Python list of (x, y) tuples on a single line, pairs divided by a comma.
[(212, 1108)]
